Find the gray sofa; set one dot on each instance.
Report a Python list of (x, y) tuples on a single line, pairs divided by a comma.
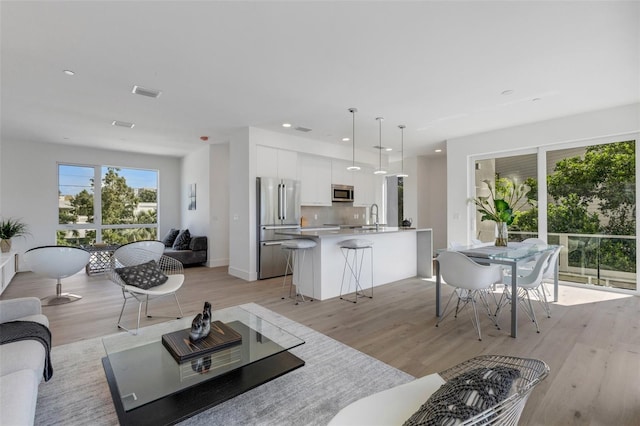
[(21, 364), (196, 254)]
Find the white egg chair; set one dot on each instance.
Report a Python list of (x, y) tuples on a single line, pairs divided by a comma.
[(57, 262)]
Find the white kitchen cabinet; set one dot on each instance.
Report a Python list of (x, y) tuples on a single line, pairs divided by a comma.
[(339, 173), (274, 162), (287, 164), (7, 269), (315, 174)]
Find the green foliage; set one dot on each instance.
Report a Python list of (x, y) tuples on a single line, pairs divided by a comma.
[(605, 176), (118, 207), (83, 204), (147, 196), (503, 202), (570, 216), (10, 228), (118, 199)]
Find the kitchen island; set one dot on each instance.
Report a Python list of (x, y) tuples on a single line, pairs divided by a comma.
[(394, 258)]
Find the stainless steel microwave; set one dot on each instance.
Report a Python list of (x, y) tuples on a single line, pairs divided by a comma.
[(342, 193)]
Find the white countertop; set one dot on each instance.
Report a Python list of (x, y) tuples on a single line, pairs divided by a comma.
[(329, 232)]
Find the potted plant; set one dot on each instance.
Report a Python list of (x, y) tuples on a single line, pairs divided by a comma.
[(502, 204), (10, 228)]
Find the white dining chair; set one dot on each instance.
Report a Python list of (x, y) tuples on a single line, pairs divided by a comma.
[(470, 280), (526, 285)]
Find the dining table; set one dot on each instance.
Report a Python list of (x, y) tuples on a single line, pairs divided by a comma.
[(515, 255)]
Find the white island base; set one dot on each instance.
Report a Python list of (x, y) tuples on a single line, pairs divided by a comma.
[(394, 258)]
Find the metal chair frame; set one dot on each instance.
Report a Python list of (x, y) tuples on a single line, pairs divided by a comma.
[(292, 255), (356, 272), (135, 255), (526, 285), (507, 412)]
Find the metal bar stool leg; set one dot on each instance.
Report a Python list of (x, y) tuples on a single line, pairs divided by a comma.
[(355, 267), (295, 265)]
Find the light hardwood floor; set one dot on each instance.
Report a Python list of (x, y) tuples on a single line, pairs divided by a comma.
[(591, 343)]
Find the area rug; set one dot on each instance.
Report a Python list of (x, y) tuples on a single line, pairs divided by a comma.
[(334, 376)]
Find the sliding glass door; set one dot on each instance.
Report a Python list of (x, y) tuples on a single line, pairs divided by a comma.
[(589, 191), (591, 211)]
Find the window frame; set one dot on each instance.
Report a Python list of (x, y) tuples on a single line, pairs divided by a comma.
[(97, 224)]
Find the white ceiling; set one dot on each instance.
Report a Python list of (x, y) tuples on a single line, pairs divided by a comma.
[(437, 67)]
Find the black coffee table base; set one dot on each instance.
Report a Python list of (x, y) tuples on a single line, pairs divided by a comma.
[(180, 406)]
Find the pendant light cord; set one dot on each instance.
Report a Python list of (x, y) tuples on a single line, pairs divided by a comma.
[(353, 166)]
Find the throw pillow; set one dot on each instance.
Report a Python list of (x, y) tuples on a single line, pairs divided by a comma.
[(170, 238), (144, 276), (182, 240), (464, 396)]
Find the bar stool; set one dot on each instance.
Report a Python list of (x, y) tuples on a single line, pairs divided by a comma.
[(355, 267), (294, 247)]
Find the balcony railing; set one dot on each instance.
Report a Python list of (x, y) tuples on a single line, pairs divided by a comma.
[(603, 260)]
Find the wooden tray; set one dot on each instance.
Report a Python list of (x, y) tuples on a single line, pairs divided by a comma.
[(182, 349)]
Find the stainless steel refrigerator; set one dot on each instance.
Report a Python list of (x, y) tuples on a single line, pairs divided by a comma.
[(278, 208)]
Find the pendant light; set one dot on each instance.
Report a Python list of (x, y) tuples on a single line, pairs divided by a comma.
[(353, 166), (402, 173), (380, 171)]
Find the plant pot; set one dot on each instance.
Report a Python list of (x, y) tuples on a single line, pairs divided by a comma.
[(502, 234), (5, 245)]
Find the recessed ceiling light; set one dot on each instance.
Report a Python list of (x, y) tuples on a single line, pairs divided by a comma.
[(69, 72), (438, 150), (345, 139), (150, 93), (122, 124), (287, 125), (388, 149), (508, 92)]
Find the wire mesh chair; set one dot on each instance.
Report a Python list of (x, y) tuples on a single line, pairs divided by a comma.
[(396, 405), (507, 412), (136, 254)]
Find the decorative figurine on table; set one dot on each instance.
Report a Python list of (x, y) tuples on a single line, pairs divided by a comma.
[(201, 324)]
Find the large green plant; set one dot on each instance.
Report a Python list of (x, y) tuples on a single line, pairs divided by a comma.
[(10, 228), (505, 199)]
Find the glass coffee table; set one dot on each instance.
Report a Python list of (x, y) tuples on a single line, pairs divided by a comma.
[(149, 386)]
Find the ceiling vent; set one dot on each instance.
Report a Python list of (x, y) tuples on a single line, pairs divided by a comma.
[(302, 129), (151, 93), (122, 124)]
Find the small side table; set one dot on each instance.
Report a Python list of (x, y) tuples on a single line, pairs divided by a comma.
[(100, 258)]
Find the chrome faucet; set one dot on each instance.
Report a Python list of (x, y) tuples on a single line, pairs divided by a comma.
[(376, 213)]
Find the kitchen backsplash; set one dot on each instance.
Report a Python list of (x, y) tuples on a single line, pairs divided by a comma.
[(338, 214)]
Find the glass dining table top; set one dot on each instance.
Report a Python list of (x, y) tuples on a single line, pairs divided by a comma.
[(513, 252)]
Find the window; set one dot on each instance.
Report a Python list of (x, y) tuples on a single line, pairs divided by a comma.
[(589, 191), (106, 204), (517, 169), (591, 211)]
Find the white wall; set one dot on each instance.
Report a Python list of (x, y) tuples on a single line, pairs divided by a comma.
[(598, 124), (195, 169), (29, 191), (242, 232), (219, 185), (431, 199)]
